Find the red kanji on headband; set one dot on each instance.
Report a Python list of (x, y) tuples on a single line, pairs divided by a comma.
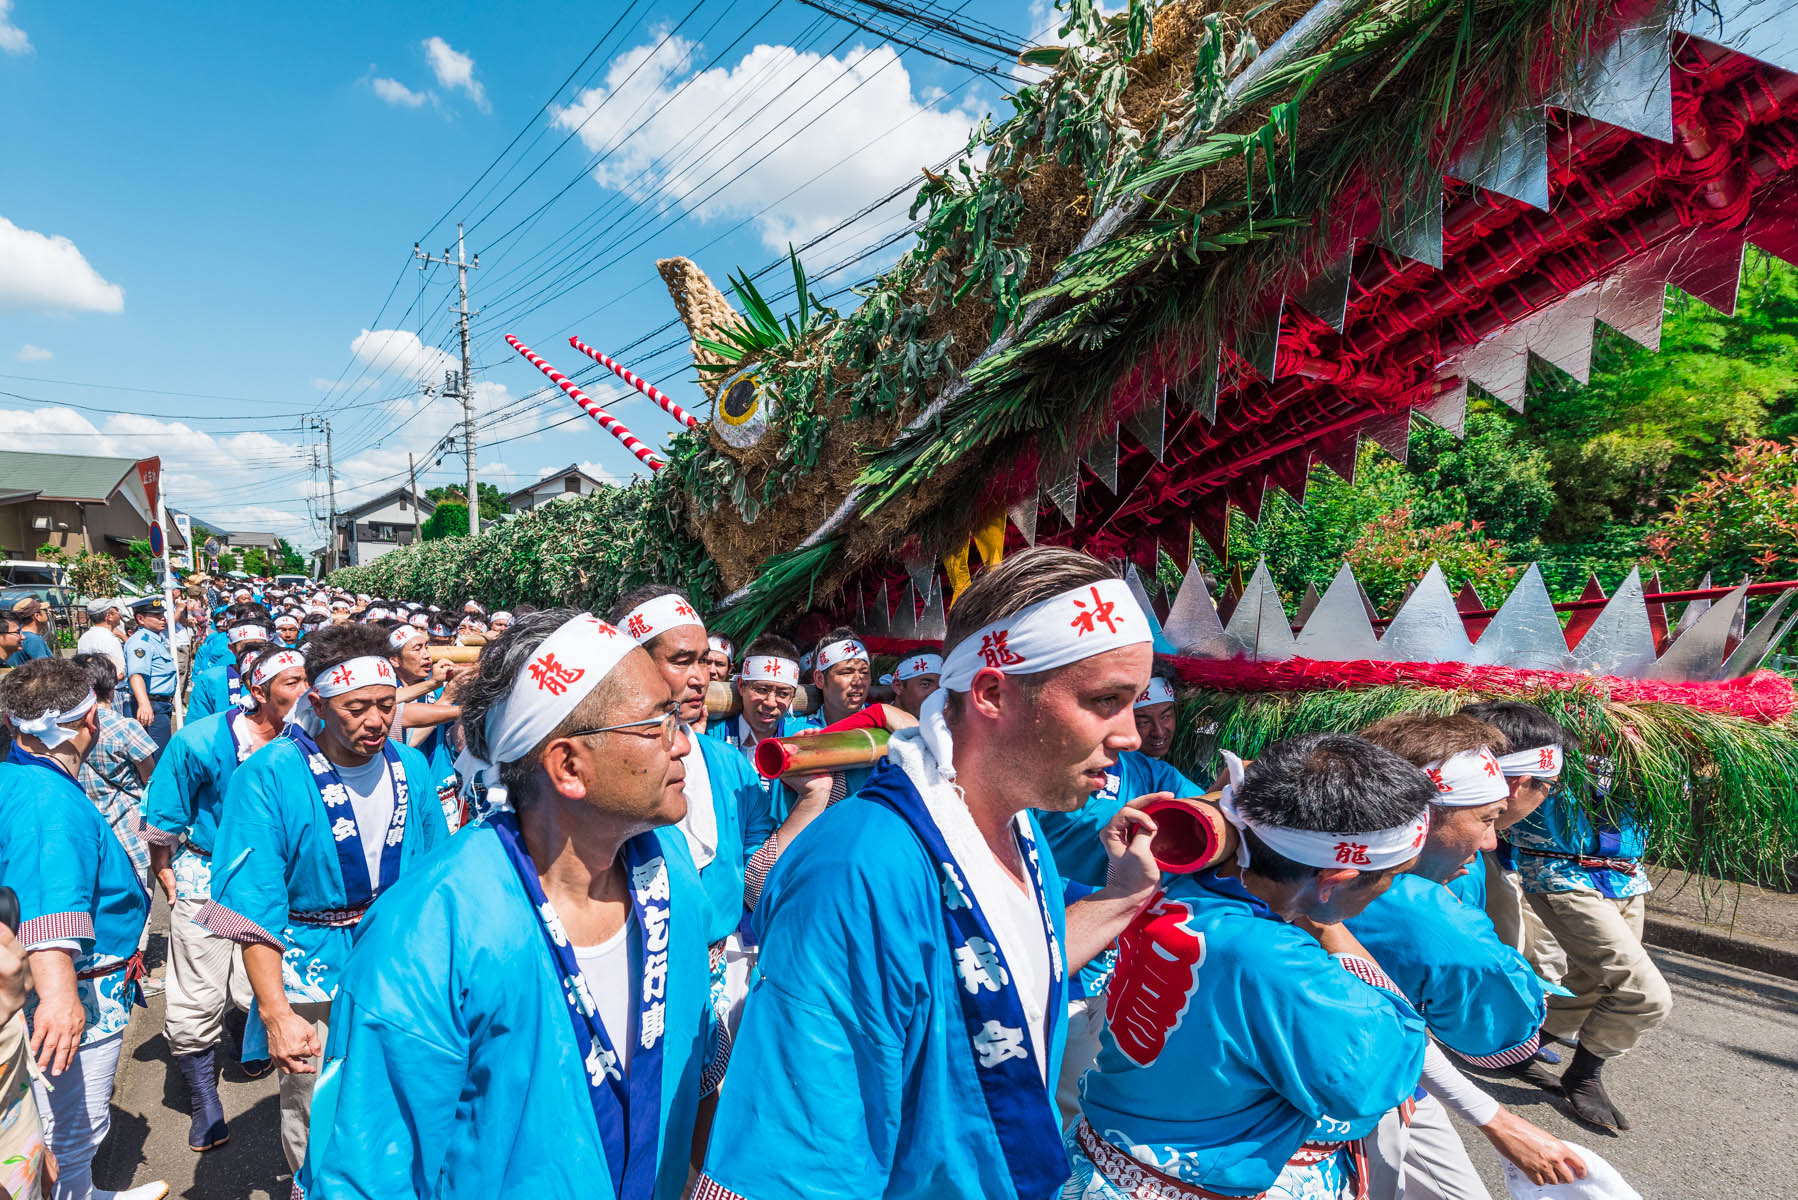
[(1352, 854), (551, 676), (1086, 620), (636, 627), (996, 653)]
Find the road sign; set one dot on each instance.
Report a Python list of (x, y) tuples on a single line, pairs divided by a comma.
[(156, 539)]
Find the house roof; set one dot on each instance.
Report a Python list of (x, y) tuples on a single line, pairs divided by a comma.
[(570, 469), (425, 504), (77, 477), (265, 541)]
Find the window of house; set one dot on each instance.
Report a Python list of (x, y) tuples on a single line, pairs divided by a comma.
[(571, 484)]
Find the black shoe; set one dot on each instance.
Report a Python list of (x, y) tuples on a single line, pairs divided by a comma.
[(1532, 1072), (208, 1129), (257, 1068), (1583, 1085)]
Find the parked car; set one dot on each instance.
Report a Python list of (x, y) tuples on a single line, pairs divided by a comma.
[(20, 572), (60, 599)]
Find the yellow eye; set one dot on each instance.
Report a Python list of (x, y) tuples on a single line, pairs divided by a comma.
[(743, 408)]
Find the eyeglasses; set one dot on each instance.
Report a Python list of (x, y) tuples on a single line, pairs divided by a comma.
[(669, 722)]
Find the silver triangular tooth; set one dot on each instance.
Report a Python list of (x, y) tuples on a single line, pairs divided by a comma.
[(1259, 345), (1621, 641), (1499, 364), (1148, 425), (1391, 431), (1773, 220), (1307, 605), (861, 609), (1739, 627), (880, 615), (1632, 303), (905, 621), (1023, 515), (1198, 391), (1192, 624), (1768, 632), (1512, 160), (1326, 296), (1525, 632), (1415, 231), (1710, 271), (1764, 30), (1102, 456), (1428, 626), (1258, 627), (1696, 656), (922, 572), (1133, 578), (933, 625), (1338, 629), (1562, 334), (1448, 411), (1694, 608), (1062, 489), (1629, 83)]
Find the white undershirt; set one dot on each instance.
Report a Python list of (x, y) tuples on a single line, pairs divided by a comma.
[(1009, 907), (612, 971), (701, 822), (371, 796)]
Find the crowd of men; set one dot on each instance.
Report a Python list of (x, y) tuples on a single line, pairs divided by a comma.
[(505, 903)]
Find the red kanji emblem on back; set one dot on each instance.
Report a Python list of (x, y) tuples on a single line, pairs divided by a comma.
[(1159, 957), (996, 653), (1086, 620), (551, 676)]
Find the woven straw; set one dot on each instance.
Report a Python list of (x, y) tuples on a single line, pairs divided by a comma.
[(703, 310)]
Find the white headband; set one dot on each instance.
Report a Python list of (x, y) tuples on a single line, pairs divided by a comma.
[(1375, 850), (916, 665), (1543, 762), (398, 638), (419, 621), (1158, 692), (837, 653), (245, 633), (653, 618), (722, 645), (1468, 779), (568, 665), (51, 728), (375, 614), (366, 671), (274, 664), (502, 614), (767, 668), (1077, 624)]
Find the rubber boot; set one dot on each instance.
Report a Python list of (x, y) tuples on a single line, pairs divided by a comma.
[(236, 1020), (208, 1128), (1583, 1085)]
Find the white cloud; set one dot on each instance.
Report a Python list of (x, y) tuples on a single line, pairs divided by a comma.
[(600, 472), (400, 351), (13, 40), (455, 71), (397, 93), (45, 271), (29, 353), (853, 122)]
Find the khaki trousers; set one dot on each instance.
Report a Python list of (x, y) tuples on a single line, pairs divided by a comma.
[(1421, 1160), (1618, 992), (205, 975), (296, 1090)]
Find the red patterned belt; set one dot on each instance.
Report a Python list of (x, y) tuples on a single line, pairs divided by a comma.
[(336, 918), (1140, 1181)]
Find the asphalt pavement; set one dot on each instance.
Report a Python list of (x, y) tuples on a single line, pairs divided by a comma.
[(1711, 1097)]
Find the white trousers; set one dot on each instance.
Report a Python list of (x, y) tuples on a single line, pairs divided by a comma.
[(205, 974), (1086, 1020), (1424, 1161), (76, 1112), (296, 1090)]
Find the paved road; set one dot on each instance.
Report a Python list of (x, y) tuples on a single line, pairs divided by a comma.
[(1712, 1098)]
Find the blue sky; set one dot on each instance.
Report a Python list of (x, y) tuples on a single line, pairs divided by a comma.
[(215, 204)]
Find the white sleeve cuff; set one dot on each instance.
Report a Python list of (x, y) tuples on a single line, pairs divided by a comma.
[(1459, 1094)]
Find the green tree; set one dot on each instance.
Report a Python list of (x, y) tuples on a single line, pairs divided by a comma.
[(255, 561), (137, 563), (92, 574), (289, 560), (449, 519), (1741, 519), (493, 501), (1493, 476), (1396, 551), (227, 561)]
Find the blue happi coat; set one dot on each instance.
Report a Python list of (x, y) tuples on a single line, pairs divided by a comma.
[(1233, 1038), (853, 1074), (275, 855), (211, 692), (186, 795), (452, 1070), (734, 788), (1480, 997), (74, 883), (215, 651)]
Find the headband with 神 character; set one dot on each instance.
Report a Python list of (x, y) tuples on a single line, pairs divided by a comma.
[(914, 665), (1158, 692), (1543, 762), (1468, 779), (652, 618), (245, 633), (396, 641), (366, 671), (551, 684), (1073, 625), (1373, 850), (837, 653), (769, 668)]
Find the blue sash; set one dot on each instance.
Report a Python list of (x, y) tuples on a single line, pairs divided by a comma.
[(233, 683), (352, 863), (1017, 1100), (629, 1118)]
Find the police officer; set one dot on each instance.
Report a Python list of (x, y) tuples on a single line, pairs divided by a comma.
[(150, 671)]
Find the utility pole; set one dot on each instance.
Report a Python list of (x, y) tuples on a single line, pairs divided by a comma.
[(412, 472), (331, 562), (465, 385)]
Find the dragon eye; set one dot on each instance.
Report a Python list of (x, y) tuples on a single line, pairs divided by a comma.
[(743, 408)]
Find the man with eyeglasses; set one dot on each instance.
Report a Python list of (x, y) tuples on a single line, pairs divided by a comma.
[(316, 825), (530, 1014)]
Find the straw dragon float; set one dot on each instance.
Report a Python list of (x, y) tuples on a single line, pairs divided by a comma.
[(1218, 243)]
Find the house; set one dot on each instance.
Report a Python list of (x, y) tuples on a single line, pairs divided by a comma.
[(569, 481), (266, 542), (366, 532), (75, 502)]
